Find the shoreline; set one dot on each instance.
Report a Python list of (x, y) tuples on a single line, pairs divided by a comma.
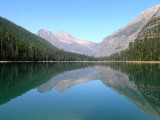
[(81, 61)]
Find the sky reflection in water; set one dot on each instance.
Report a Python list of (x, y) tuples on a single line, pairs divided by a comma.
[(79, 91)]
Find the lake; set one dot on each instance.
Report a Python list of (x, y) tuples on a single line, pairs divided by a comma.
[(79, 91)]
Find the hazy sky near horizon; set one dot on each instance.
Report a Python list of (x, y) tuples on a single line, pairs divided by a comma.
[(90, 20)]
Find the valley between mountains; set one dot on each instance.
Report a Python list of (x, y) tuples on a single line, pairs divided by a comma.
[(139, 40)]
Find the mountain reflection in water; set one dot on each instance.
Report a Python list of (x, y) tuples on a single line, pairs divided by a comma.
[(139, 83)]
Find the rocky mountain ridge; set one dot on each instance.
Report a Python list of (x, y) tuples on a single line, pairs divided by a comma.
[(67, 42), (120, 39), (151, 30)]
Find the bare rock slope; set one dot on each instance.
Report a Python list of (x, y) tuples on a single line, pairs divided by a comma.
[(67, 42), (120, 40)]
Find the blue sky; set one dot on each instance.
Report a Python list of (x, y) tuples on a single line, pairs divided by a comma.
[(90, 20)]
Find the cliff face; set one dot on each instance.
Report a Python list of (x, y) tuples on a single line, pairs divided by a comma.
[(67, 42), (47, 35), (151, 30), (120, 40)]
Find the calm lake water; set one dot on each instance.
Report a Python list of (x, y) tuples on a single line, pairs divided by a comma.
[(79, 91)]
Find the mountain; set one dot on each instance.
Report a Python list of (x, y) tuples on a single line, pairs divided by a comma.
[(151, 29), (18, 44), (146, 47), (120, 40), (67, 42)]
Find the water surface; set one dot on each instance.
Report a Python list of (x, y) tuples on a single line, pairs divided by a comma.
[(79, 91)]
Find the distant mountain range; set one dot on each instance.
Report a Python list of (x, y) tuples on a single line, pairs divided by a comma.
[(18, 44), (121, 39), (117, 42), (69, 43), (137, 41)]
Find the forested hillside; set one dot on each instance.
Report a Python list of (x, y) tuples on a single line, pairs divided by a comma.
[(18, 44), (145, 48)]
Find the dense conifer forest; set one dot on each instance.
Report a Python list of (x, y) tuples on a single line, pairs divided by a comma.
[(18, 44), (145, 48)]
